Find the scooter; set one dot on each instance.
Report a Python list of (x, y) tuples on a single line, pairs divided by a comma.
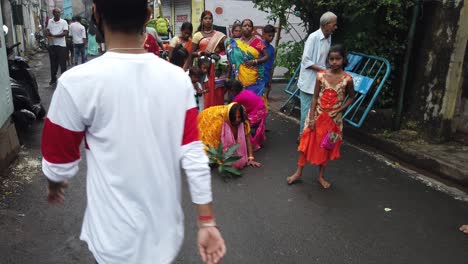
[(41, 39), (25, 91)]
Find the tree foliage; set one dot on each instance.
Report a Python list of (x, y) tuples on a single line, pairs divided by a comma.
[(372, 27)]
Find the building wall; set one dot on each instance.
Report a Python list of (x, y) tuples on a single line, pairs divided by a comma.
[(437, 67), (9, 145)]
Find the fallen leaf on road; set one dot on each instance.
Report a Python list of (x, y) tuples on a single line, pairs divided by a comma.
[(388, 209)]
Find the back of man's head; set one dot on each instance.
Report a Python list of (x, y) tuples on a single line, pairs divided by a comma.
[(127, 16), (327, 18)]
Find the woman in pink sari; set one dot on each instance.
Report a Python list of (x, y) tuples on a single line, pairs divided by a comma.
[(255, 108)]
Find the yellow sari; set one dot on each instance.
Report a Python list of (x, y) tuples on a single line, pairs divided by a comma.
[(250, 76), (210, 124)]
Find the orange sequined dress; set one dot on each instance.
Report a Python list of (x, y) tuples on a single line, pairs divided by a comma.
[(331, 97)]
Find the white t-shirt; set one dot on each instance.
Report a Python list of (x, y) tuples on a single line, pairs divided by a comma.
[(137, 133), (57, 27), (78, 32)]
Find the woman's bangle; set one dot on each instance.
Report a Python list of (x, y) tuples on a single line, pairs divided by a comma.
[(256, 61), (251, 158)]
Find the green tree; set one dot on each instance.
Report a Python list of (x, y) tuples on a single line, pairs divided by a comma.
[(372, 27)]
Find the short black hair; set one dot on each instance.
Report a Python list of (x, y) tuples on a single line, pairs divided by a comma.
[(269, 29), (339, 48), (126, 16), (234, 85), (179, 55), (195, 71), (186, 25), (232, 113), (204, 60)]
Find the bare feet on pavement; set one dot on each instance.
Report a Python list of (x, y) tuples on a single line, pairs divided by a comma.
[(324, 183), (464, 229), (293, 178)]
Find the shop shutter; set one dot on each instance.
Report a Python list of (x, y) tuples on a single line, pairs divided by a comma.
[(182, 10)]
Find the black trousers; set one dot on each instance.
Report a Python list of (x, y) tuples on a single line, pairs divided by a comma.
[(58, 56)]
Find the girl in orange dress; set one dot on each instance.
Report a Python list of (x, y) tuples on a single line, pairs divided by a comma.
[(322, 135)]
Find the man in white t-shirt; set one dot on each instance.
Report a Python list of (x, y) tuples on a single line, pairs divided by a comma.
[(314, 59), (137, 116), (78, 33), (56, 30)]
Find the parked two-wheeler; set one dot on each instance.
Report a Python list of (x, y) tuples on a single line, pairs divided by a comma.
[(25, 91), (41, 40)]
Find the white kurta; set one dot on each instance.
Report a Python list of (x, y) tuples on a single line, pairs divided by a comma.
[(137, 114)]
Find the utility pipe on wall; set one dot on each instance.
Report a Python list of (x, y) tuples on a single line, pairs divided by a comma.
[(404, 81)]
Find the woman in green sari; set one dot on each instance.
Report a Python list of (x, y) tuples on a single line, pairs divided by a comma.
[(246, 56)]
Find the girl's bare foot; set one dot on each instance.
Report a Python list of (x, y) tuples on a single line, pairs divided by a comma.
[(324, 183), (293, 178), (464, 229)]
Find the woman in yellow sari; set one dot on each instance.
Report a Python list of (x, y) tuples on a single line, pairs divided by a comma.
[(228, 124), (246, 55)]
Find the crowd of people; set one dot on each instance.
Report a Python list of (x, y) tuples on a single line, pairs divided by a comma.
[(230, 77), (215, 92), (69, 41)]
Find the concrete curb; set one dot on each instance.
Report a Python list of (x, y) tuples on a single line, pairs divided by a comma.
[(410, 156), (279, 80)]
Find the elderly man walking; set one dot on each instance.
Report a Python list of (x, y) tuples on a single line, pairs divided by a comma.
[(57, 29), (314, 60)]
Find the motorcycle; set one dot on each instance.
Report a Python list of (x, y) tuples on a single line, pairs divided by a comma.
[(25, 91), (41, 40)]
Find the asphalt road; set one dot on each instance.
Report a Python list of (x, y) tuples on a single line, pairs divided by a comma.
[(263, 219)]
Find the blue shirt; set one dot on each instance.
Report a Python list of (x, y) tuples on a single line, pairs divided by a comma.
[(268, 65)]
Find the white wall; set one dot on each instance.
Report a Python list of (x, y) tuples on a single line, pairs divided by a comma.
[(239, 9)]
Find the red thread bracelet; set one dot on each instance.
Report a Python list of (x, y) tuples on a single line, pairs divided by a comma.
[(205, 217)]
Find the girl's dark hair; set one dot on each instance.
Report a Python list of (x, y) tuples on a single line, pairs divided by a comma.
[(186, 25), (342, 51), (92, 29), (234, 85), (203, 15), (235, 25), (126, 16), (269, 29), (179, 55), (232, 113), (245, 20), (203, 60), (195, 71)]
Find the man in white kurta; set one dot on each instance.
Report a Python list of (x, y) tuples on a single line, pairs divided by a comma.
[(137, 117), (314, 59)]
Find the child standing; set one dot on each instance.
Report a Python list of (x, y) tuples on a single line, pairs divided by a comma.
[(268, 36), (212, 95), (322, 135), (194, 74)]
